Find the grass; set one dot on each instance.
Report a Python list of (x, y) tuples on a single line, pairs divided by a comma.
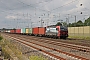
[(4, 52), (1, 37), (10, 50), (16, 52), (37, 58)]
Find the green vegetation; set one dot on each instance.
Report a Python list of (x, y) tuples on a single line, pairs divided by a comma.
[(80, 23), (10, 50), (5, 54), (1, 37), (4, 50), (76, 24), (87, 22), (37, 58), (58, 24)]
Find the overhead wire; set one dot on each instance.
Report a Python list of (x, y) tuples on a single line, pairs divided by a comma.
[(50, 10), (31, 5), (64, 5), (7, 9), (41, 9), (84, 7), (44, 10)]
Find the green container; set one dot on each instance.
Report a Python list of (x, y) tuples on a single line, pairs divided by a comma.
[(23, 30), (30, 30)]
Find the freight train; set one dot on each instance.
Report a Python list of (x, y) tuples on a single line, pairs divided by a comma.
[(49, 31)]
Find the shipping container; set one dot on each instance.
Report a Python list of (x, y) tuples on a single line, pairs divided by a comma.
[(30, 30), (27, 30), (13, 31), (8, 31), (23, 30), (18, 31), (36, 30), (42, 30)]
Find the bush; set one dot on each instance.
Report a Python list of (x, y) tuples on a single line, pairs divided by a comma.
[(1, 37), (36, 58), (5, 54)]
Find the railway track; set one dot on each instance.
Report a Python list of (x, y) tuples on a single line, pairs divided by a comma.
[(56, 53), (1, 59), (72, 46)]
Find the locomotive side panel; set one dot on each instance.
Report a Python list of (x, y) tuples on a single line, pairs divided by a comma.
[(51, 32)]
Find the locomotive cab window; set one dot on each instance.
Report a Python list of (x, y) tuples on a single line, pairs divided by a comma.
[(57, 29), (63, 28)]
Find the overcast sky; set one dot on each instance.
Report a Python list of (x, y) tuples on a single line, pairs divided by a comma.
[(27, 13)]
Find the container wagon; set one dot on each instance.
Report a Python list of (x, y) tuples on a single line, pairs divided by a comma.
[(23, 31), (18, 31), (13, 31), (27, 31), (35, 31), (42, 31), (30, 31)]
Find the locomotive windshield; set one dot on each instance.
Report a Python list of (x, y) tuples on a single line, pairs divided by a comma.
[(63, 28)]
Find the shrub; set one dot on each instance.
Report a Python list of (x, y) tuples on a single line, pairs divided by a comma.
[(37, 58), (1, 37)]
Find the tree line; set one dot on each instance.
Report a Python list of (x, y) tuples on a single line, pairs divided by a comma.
[(76, 24)]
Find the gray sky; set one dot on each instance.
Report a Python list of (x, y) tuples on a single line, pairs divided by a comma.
[(27, 13)]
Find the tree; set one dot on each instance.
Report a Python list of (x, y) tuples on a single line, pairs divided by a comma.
[(76, 24), (70, 25), (79, 23), (59, 24), (3, 28), (87, 22)]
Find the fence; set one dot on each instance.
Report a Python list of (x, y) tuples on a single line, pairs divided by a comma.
[(79, 31)]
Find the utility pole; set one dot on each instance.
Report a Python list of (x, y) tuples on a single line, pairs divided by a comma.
[(27, 21), (75, 25), (24, 19), (17, 20), (31, 24), (48, 20), (41, 23), (30, 21), (75, 20), (68, 19), (59, 16), (67, 22)]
